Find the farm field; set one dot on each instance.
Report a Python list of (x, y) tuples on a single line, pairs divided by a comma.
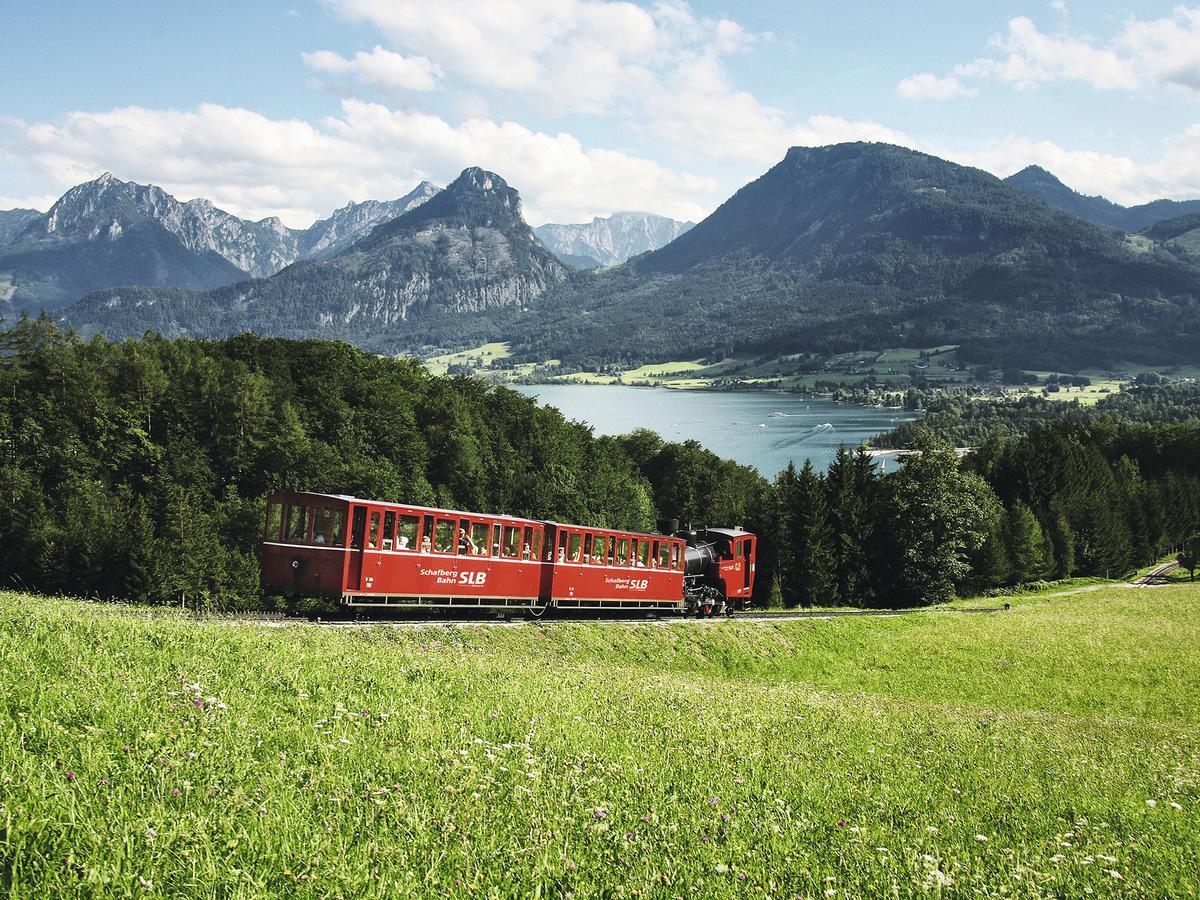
[(1052, 749)]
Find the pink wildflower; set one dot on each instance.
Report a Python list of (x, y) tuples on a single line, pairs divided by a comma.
[(70, 775)]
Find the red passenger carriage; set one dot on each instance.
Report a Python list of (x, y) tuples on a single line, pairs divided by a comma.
[(371, 553)]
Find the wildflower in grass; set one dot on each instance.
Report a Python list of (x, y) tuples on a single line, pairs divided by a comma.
[(1113, 873), (724, 817), (982, 838), (713, 801), (841, 823), (146, 883), (722, 868), (601, 813), (70, 775), (1152, 803), (1175, 805), (629, 835), (151, 834), (175, 792)]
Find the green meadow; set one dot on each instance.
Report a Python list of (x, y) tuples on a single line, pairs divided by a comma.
[(1048, 750)]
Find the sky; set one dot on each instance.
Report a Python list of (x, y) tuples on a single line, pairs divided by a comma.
[(293, 108)]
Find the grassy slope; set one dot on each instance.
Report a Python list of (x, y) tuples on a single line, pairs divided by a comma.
[(1039, 750)]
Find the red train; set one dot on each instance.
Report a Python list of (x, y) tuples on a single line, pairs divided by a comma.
[(372, 553)]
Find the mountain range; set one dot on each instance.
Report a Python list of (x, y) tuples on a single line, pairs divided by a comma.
[(465, 250), (109, 232), (609, 241), (834, 248), (870, 245), (1041, 184)]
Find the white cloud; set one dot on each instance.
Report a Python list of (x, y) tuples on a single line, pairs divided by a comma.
[(565, 56), (379, 68), (1158, 53), (256, 166), (927, 86)]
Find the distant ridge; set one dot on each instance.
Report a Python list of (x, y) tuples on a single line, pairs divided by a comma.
[(1039, 183), (610, 241), (109, 232), (465, 249)]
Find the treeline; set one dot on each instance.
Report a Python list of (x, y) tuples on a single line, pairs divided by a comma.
[(139, 469), (968, 421), (1096, 499)]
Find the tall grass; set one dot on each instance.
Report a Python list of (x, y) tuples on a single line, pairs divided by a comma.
[(1047, 750)]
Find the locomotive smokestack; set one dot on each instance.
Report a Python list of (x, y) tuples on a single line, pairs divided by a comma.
[(668, 526)]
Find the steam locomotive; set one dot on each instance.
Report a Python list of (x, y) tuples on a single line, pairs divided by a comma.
[(368, 553)]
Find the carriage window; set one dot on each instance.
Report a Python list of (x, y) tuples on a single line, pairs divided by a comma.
[(664, 555), (600, 550), (373, 532), (496, 532), (480, 537), (406, 533), (562, 547), (274, 521), (678, 557), (643, 554), (327, 527), (389, 528), (587, 548), (297, 524), (574, 547), (443, 536), (358, 526), (527, 551), (535, 546), (622, 552), (512, 542)]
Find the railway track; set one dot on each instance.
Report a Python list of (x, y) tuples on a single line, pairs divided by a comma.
[(282, 621)]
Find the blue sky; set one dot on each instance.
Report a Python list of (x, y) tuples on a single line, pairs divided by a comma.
[(586, 106)]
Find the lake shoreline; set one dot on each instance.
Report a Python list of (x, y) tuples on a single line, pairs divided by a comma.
[(766, 429)]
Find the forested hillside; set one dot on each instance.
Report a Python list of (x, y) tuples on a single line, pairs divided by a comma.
[(870, 245), (139, 469), (967, 421)]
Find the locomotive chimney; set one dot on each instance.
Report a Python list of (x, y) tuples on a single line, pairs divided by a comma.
[(668, 526)]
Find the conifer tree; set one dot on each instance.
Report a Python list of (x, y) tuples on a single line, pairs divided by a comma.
[(852, 488), (1024, 544), (811, 581)]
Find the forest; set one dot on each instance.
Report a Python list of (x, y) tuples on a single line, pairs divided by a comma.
[(138, 470)]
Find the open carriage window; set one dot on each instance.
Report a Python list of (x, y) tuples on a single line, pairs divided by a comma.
[(274, 521), (600, 550), (512, 542), (328, 525), (297, 524), (622, 552), (406, 532), (481, 538), (643, 554), (443, 536), (574, 548), (389, 529)]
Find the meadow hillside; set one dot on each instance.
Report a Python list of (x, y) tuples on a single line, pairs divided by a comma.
[(1053, 749)]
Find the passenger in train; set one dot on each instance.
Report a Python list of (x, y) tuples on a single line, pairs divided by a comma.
[(466, 546), (426, 544), (526, 553)]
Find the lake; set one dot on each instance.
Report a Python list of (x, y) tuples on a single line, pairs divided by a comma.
[(761, 430)]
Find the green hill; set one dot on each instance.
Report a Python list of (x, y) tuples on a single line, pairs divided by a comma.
[(873, 245), (1051, 750)]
